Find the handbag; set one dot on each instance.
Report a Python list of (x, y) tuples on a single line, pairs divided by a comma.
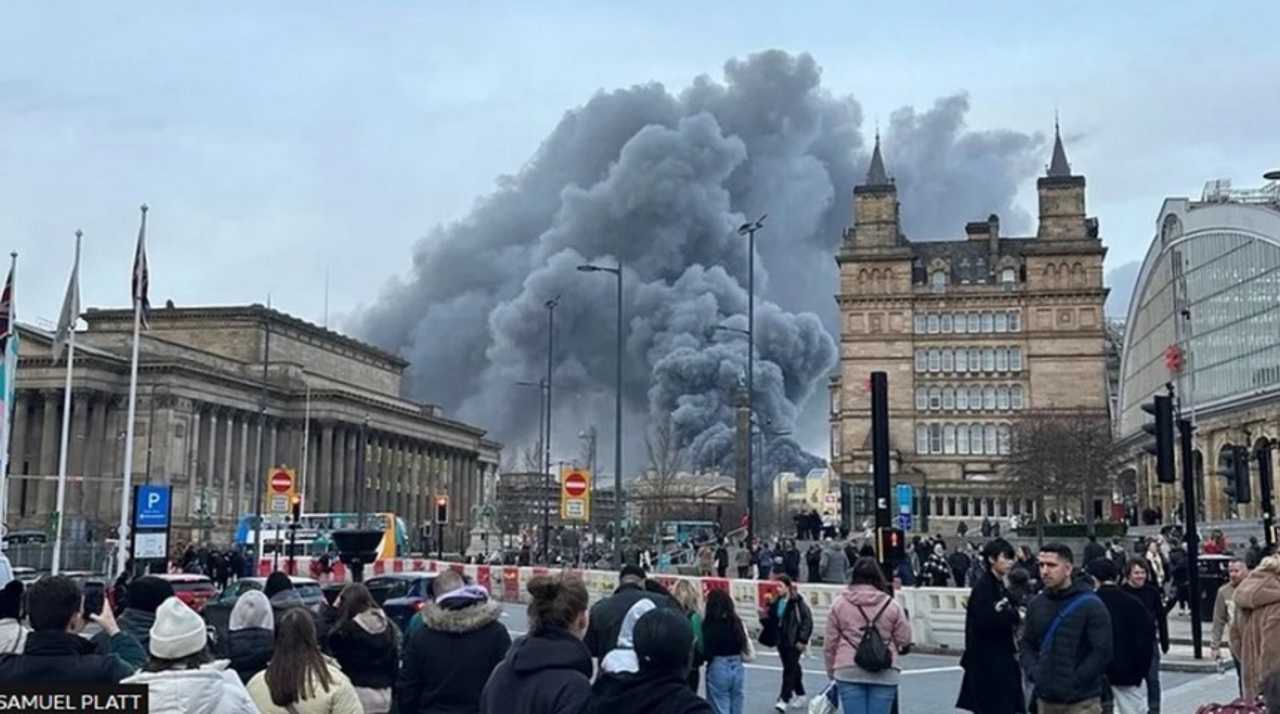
[(825, 702)]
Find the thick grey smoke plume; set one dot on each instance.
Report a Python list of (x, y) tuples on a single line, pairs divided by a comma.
[(662, 180)]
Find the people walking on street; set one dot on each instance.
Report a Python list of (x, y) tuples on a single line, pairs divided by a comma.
[(250, 636), (366, 645), (725, 645), (1139, 584), (1255, 634), (992, 682), (548, 671), (182, 676), (1132, 633), (663, 643), (834, 564), (788, 625), (607, 615), (1224, 613), (866, 612), (300, 678), (55, 653), (1066, 639)]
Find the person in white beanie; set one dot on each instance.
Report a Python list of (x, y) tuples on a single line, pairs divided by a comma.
[(250, 636), (182, 676)]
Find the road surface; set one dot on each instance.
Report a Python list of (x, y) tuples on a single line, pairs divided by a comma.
[(929, 682)]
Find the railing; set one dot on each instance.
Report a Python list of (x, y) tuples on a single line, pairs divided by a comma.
[(98, 558)]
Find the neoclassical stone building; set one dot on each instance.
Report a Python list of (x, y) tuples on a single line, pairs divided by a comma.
[(201, 399), (975, 333)]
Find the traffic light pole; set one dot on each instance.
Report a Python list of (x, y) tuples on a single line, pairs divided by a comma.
[(880, 448), (1189, 503), (1266, 491)]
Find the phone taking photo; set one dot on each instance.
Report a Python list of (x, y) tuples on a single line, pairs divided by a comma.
[(95, 595)]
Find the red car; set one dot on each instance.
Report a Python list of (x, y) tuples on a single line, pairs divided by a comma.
[(194, 590)]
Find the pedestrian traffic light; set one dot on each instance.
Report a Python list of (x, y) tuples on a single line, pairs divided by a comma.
[(442, 509), (891, 545), (1234, 467), (1161, 407), (296, 507)]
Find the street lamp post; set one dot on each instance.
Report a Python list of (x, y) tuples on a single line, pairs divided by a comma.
[(751, 473), (542, 386), (749, 230), (546, 511), (761, 432), (617, 411)]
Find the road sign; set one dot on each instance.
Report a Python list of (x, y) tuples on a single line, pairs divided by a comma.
[(904, 521), (151, 507), (575, 494), (905, 497), (281, 488)]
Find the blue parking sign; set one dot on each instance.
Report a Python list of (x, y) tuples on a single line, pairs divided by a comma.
[(151, 507), (904, 521), (906, 496)]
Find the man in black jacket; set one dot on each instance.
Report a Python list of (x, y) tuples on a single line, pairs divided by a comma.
[(1131, 635), (607, 616), (1066, 641)]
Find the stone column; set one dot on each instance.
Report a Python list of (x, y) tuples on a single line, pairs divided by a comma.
[(77, 447), (351, 467), (324, 474), (212, 451), (50, 429), (414, 516), (243, 469), (192, 470), (377, 502), (273, 442), (336, 470), (227, 511), (98, 442), (402, 477), (113, 458), (15, 504)]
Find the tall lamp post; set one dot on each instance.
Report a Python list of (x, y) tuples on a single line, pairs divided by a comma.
[(749, 230), (751, 474), (616, 272), (542, 385), (551, 342), (763, 430)]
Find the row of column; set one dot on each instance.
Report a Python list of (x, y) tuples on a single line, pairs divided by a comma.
[(209, 456)]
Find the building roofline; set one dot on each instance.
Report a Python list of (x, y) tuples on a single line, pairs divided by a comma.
[(252, 312)]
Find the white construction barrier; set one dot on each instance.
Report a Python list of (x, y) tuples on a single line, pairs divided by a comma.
[(937, 614)]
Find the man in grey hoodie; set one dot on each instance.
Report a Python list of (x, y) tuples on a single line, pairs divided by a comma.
[(834, 564)]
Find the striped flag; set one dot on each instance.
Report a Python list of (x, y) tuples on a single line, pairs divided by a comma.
[(70, 308), (141, 276), (8, 373), (6, 312)]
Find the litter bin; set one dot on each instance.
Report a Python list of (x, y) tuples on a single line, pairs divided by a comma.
[(1213, 575)]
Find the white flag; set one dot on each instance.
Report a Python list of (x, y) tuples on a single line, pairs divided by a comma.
[(70, 307)]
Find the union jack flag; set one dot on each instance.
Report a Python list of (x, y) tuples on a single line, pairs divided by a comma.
[(141, 276)]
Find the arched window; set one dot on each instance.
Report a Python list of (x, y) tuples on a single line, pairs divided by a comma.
[(1008, 277), (922, 398), (989, 398), (1002, 359), (1002, 398), (935, 398), (948, 398), (962, 439), (932, 324), (962, 360), (988, 322), (922, 360), (988, 359), (990, 440), (935, 360), (946, 324), (949, 439), (1005, 439), (938, 279), (960, 322), (975, 438), (1015, 397), (975, 397), (975, 359), (974, 327), (1015, 359), (1002, 322), (948, 360), (922, 438), (962, 399)]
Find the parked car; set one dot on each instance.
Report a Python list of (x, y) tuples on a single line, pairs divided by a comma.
[(402, 595), (217, 613), (194, 590)]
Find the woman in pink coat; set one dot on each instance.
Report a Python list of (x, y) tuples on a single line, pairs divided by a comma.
[(867, 602)]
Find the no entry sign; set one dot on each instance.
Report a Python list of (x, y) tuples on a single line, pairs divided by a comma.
[(282, 486), (575, 484), (575, 495), (281, 481)]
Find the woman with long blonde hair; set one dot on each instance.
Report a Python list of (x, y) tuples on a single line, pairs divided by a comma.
[(689, 597)]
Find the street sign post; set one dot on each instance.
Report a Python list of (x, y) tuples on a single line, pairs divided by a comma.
[(906, 496), (152, 508), (575, 495), (904, 521), (281, 488)]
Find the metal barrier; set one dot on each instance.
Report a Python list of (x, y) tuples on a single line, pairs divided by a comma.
[(97, 558)]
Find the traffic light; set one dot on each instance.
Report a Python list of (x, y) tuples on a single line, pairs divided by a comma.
[(442, 510), (1161, 407), (296, 507), (892, 544), (1235, 470)]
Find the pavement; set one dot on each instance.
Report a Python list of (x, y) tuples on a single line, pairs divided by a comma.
[(930, 683)]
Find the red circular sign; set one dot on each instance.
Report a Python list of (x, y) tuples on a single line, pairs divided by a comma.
[(575, 484), (281, 482)]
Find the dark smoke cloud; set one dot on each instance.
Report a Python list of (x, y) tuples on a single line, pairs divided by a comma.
[(662, 180)]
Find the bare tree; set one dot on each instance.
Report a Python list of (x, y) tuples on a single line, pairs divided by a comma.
[(1068, 457), (531, 455), (659, 485)]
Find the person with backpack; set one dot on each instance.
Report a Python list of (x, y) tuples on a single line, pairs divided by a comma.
[(867, 632), (1066, 643)]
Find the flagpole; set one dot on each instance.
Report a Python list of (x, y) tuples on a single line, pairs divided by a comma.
[(61, 509), (306, 443), (9, 369), (126, 493)]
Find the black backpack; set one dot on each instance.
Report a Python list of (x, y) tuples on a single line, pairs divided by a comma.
[(872, 653)]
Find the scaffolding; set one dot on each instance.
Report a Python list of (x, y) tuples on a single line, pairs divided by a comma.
[(1221, 191)]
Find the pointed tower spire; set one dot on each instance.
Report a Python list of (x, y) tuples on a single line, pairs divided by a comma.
[(876, 175), (1058, 165)]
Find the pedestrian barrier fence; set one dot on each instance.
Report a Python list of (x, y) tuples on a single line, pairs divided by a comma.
[(936, 614)]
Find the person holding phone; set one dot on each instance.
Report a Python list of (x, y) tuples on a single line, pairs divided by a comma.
[(56, 653)]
